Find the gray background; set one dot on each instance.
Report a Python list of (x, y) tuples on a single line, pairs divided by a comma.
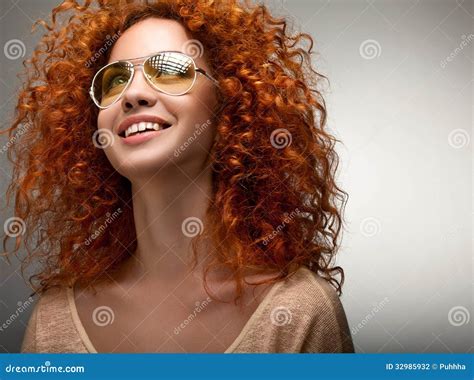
[(401, 101)]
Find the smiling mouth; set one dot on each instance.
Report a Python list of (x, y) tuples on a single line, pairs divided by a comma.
[(143, 127)]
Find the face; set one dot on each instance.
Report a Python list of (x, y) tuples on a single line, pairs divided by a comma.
[(190, 115)]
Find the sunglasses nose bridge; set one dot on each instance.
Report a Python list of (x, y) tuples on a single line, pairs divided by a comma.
[(139, 87), (140, 67), (134, 68)]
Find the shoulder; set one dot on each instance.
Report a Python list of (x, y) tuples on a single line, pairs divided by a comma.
[(50, 303), (319, 309), (52, 307), (318, 297), (53, 300), (51, 328), (308, 294), (302, 313)]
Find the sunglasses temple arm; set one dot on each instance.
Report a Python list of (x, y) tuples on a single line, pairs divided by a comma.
[(203, 72)]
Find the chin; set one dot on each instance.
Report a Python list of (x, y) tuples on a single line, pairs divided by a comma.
[(139, 164)]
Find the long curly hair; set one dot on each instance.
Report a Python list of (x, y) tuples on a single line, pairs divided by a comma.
[(275, 203)]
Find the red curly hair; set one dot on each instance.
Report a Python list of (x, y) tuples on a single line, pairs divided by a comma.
[(275, 201)]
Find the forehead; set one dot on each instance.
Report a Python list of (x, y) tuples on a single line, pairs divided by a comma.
[(149, 36)]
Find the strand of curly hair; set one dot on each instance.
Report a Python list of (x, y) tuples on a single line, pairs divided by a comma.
[(275, 201)]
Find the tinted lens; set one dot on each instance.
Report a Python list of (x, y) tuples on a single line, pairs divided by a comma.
[(170, 72), (111, 81)]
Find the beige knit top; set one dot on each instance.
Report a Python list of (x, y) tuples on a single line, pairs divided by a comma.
[(302, 313)]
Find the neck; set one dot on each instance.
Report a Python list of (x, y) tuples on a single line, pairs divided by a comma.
[(169, 210)]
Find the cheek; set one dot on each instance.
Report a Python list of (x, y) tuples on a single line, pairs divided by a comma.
[(104, 120), (202, 105), (198, 117), (108, 142), (196, 132)]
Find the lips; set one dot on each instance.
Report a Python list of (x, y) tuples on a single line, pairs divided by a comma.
[(144, 119), (140, 138)]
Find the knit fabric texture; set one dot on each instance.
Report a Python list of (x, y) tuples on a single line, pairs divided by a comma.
[(301, 314)]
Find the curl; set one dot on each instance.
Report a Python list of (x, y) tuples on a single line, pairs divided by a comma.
[(275, 205)]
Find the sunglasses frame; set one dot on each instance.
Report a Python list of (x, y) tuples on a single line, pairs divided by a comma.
[(147, 57)]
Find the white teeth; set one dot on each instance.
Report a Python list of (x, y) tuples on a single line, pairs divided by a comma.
[(141, 127)]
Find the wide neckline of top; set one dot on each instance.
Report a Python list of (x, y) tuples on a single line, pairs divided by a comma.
[(90, 347)]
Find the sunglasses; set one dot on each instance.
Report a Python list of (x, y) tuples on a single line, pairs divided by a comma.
[(170, 72)]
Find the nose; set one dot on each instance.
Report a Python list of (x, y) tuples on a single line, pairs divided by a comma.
[(138, 93)]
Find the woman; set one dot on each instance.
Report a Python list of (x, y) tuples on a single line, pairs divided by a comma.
[(175, 160)]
